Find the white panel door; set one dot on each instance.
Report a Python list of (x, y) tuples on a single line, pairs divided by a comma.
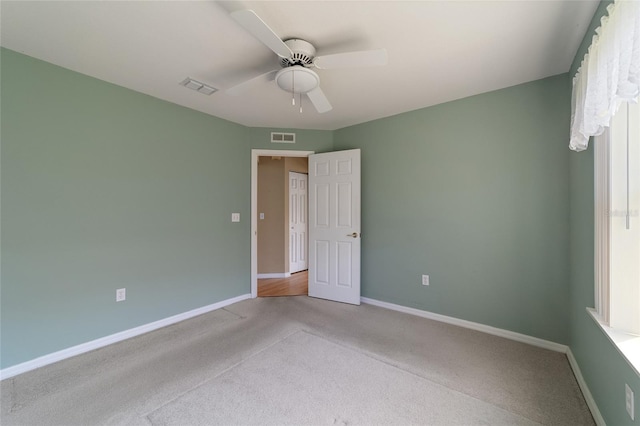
[(334, 226), (297, 222)]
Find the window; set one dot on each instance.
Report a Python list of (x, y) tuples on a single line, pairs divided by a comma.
[(617, 231), (604, 105)]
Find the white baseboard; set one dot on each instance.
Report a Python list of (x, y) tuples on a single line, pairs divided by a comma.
[(114, 338), (127, 334), (274, 275), (591, 403), (512, 335), (546, 344)]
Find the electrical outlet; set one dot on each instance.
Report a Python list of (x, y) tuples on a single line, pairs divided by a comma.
[(425, 280), (629, 400), (121, 294), (235, 217)]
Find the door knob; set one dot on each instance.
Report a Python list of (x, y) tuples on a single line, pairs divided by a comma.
[(354, 235)]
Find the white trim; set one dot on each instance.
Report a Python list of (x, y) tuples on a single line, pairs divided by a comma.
[(274, 275), (114, 338), (627, 344), (602, 202), (51, 358), (255, 153), (591, 402), (541, 343), (512, 335)]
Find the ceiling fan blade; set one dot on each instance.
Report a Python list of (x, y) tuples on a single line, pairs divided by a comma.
[(319, 100), (260, 30), (362, 58), (247, 85)]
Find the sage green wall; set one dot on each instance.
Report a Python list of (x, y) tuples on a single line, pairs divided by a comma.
[(103, 188), (474, 193), (602, 366)]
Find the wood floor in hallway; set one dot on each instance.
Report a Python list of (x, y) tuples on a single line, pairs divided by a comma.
[(296, 285)]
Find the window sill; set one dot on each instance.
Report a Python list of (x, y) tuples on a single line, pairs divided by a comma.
[(627, 344)]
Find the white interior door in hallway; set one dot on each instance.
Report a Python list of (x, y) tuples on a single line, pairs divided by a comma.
[(297, 222), (334, 226)]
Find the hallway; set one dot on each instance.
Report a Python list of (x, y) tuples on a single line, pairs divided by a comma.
[(295, 285)]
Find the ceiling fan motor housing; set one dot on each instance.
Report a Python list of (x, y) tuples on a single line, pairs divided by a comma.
[(303, 53)]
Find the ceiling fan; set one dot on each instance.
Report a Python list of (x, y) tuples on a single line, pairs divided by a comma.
[(297, 57)]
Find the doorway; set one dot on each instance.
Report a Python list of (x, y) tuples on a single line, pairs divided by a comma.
[(297, 215), (273, 269)]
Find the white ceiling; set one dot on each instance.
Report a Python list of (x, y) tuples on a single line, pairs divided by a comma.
[(438, 50)]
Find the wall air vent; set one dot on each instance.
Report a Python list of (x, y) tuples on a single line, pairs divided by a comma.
[(278, 137)]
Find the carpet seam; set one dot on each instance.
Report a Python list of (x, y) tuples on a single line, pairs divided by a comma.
[(238, 316), (146, 415), (386, 362)]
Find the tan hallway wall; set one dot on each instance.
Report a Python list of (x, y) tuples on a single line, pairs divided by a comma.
[(271, 229)]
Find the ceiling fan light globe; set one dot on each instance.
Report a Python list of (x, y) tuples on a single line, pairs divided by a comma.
[(297, 79)]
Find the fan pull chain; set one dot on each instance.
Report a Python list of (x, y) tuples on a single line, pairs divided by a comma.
[(293, 88), (300, 103)]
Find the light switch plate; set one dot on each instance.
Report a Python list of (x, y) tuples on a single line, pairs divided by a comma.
[(235, 217), (121, 294), (261, 216)]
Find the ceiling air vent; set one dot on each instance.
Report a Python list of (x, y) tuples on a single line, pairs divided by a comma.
[(192, 84), (277, 137)]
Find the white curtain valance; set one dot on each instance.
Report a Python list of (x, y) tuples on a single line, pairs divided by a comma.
[(609, 73)]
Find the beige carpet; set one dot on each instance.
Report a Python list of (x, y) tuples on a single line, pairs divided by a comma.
[(304, 379), (299, 360)]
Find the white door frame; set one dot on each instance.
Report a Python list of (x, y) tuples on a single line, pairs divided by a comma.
[(255, 153)]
